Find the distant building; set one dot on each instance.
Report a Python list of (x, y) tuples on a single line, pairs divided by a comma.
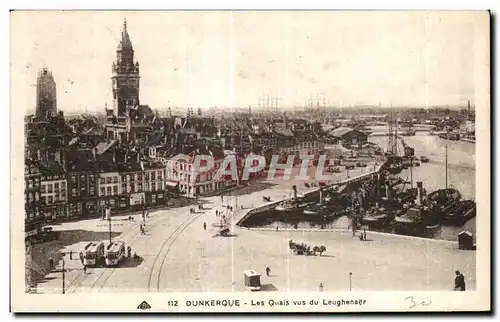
[(46, 96), (349, 136)]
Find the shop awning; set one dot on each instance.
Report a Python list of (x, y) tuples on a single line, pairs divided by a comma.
[(171, 184)]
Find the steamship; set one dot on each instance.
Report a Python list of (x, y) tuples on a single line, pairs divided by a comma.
[(418, 219)]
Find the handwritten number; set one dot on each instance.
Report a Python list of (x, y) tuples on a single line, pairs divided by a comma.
[(425, 302), (412, 301)]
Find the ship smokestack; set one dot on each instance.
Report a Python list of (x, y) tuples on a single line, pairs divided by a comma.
[(420, 195)]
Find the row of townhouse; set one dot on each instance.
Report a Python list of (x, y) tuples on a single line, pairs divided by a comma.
[(134, 185), (86, 188)]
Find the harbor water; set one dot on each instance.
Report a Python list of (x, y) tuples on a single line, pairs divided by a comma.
[(461, 176)]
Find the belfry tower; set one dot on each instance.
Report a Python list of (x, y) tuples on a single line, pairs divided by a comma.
[(125, 83)]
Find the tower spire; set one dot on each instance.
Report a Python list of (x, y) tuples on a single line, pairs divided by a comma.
[(125, 42)]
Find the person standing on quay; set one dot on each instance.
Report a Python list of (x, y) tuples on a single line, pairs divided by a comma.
[(459, 281)]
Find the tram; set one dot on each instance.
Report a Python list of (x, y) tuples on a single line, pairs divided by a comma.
[(92, 253), (115, 253)]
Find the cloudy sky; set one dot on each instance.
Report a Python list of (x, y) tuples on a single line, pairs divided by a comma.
[(232, 58)]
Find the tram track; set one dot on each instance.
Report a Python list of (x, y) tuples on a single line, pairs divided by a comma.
[(106, 274), (108, 271), (100, 282), (124, 236), (167, 242)]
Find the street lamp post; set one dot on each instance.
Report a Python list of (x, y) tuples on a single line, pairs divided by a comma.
[(350, 281), (108, 214), (63, 277)]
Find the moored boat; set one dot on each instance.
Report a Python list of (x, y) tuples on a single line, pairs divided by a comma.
[(463, 211), (441, 201), (292, 206), (379, 216), (416, 221)]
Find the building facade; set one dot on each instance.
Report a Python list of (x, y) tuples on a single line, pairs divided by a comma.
[(53, 191), (109, 185), (83, 195), (181, 171), (32, 188), (154, 184)]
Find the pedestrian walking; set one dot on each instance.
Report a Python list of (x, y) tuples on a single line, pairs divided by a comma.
[(277, 227), (216, 213), (321, 287), (268, 270), (459, 281), (205, 226), (51, 263), (81, 257), (71, 254), (84, 269)]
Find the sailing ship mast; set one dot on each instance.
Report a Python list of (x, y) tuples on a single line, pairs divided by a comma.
[(446, 167), (393, 136)]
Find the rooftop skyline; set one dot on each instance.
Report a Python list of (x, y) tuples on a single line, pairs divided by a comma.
[(210, 58)]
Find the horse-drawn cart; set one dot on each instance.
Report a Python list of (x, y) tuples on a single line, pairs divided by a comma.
[(223, 232), (304, 249)]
